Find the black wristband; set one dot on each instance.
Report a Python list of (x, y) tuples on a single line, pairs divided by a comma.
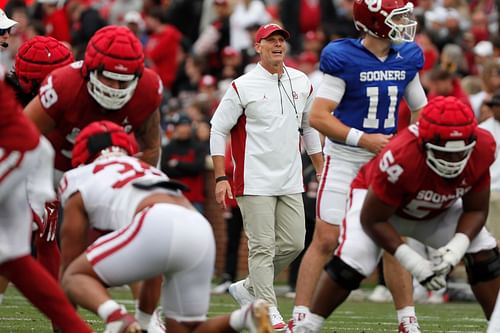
[(220, 178)]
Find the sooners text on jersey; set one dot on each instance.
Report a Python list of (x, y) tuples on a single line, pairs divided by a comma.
[(374, 87), (400, 177)]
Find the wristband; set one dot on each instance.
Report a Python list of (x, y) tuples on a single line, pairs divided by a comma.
[(458, 245), (410, 259), (353, 136), (220, 178)]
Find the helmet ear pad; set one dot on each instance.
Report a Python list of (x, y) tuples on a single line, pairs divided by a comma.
[(36, 58), (98, 136)]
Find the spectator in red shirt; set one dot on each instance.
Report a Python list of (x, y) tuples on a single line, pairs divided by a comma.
[(55, 19), (162, 48), (445, 83)]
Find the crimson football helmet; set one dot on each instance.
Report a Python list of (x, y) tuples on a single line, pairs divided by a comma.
[(391, 19), (36, 58), (447, 132), (102, 138), (116, 54)]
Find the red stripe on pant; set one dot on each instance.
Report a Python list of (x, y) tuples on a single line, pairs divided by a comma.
[(121, 245), (100, 242)]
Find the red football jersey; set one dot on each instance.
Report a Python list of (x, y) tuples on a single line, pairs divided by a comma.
[(400, 177), (17, 132), (65, 97)]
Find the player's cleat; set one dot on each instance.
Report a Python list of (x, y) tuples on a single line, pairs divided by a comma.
[(122, 322), (257, 318), (240, 293), (409, 325), (380, 295), (292, 327), (276, 319)]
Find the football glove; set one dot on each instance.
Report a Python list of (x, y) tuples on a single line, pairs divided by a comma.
[(450, 254), (419, 267), (50, 221)]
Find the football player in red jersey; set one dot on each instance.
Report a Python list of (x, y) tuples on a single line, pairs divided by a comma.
[(25, 161), (158, 231), (34, 60), (431, 183), (111, 83)]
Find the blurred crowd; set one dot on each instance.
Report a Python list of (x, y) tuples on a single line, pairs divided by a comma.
[(198, 46)]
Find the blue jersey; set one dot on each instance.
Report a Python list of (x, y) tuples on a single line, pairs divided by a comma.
[(373, 88)]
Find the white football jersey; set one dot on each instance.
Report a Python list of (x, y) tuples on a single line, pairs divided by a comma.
[(106, 187)]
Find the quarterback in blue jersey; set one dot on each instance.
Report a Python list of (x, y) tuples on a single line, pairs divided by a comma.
[(373, 88), (355, 108)]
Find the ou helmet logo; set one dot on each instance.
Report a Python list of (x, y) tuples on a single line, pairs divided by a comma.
[(374, 5)]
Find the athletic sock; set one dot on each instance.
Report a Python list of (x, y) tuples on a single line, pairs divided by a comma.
[(107, 308), (300, 312), (142, 317), (407, 311), (237, 318)]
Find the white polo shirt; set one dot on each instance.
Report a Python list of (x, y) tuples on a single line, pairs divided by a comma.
[(263, 114), (493, 126)]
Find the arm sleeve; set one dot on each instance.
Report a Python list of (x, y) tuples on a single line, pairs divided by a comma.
[(225, 117), (311, 138), (415, 95), (217, 141), (331, 88)]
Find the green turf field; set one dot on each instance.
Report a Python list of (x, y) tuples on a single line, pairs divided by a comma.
[(17, 316)]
